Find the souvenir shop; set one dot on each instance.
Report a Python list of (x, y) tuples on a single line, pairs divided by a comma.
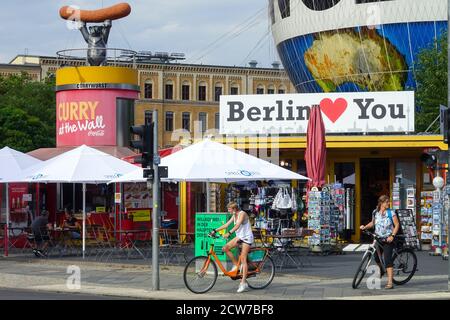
[(359, 169), (272, 205)]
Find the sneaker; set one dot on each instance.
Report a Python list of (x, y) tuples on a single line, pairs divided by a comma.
[(41, 254), (242, 287), (36, 253)]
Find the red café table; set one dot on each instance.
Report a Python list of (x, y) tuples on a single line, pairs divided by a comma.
[(129, 238)]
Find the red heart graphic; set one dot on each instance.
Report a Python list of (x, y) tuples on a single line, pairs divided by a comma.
[(333, 110)]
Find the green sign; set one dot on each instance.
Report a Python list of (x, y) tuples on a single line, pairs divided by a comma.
[(204, 223)]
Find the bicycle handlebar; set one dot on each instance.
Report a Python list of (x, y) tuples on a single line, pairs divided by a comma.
[(380, 238), (214, 236)]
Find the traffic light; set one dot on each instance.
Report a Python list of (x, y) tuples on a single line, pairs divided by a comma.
[(144, 144), (430, 160)]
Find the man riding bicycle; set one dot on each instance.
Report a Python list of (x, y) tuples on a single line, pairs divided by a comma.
[(244, 236), (386, 227)]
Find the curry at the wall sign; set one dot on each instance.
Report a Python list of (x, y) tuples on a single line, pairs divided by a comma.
[(87, 116)]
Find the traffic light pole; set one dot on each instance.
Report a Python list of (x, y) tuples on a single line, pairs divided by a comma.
[(156, 209)]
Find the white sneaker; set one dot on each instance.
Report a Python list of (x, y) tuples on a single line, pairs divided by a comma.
[(242, 287)]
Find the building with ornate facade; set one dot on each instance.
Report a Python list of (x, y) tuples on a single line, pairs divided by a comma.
[(185, 95)]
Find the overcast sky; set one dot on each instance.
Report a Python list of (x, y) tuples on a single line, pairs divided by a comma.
[(228, 32)]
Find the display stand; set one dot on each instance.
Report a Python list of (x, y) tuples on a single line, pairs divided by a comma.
[(408, 223), (326, 217), (438, 227), (426, 219)]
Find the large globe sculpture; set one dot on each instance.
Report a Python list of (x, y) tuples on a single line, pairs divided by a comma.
[(354, 45)]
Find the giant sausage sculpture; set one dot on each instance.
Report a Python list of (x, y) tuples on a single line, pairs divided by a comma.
[(97, 35), (115, 12)]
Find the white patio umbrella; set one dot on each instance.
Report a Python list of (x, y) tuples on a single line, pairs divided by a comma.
[(209, 161), (12, 165), (81, 165)]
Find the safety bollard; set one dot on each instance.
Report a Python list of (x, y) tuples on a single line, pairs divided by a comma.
[(6, 239)]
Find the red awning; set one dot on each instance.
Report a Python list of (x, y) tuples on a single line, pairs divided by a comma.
[(162, 153), (48, 153), (122, 153)]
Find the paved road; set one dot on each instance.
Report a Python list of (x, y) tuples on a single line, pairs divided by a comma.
[(327, 277), (15, 294)]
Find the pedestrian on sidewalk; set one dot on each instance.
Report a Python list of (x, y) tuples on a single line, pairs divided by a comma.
[(386, 226), (244, 236), (40, 231)]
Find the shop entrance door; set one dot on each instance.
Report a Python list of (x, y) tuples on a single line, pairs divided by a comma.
[(374, 183)]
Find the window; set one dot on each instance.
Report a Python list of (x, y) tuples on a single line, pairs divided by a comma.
[(149, 116), (285, 8), (328, 4), (234, 91), (202, 118), (202, 93), (260, 90), (169, 121), (148, 91), (185, 88), (217, 121), (169, 91), (186, 121), (271, 91), (281, 91), (217, 93)]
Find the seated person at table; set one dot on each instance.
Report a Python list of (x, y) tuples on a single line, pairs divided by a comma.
[(72, 223), (40, 228)]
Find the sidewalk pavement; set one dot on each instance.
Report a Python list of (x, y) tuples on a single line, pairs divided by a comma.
[(135, 281)]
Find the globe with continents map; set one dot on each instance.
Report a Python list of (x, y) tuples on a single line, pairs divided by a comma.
[(354, 45)]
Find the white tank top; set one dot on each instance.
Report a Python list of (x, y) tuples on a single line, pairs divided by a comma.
[(244, 232)]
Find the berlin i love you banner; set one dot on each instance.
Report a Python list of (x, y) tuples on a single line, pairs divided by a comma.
[(364, 112)]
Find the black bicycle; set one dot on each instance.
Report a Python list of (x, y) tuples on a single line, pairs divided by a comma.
[(404, 265)]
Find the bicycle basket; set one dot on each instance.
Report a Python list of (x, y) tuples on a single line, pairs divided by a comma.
[(256, 255)]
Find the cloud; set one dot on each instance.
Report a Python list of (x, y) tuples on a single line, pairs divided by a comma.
[(190, 26)]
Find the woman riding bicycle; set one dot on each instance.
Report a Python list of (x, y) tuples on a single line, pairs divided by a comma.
[(386, 227), (244, 236)]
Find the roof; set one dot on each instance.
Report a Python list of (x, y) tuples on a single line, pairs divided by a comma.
[(340, 142), (48, 153), (281, 69)]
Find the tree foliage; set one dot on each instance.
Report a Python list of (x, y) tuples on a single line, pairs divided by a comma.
[(27, 113), (431, 77)]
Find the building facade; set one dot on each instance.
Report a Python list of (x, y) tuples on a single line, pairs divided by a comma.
[(185, 96)]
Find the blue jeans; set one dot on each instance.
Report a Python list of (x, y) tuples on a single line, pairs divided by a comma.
[(75, 235)]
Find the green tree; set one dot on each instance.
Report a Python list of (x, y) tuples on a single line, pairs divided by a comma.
[(27, 113), (431, 77)]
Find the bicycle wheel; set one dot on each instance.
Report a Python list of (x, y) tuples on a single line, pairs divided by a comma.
[(200, 275), (362, 269), (264, 274), (405, 265)]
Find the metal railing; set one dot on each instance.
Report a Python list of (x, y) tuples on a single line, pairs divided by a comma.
[(114, 56)]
